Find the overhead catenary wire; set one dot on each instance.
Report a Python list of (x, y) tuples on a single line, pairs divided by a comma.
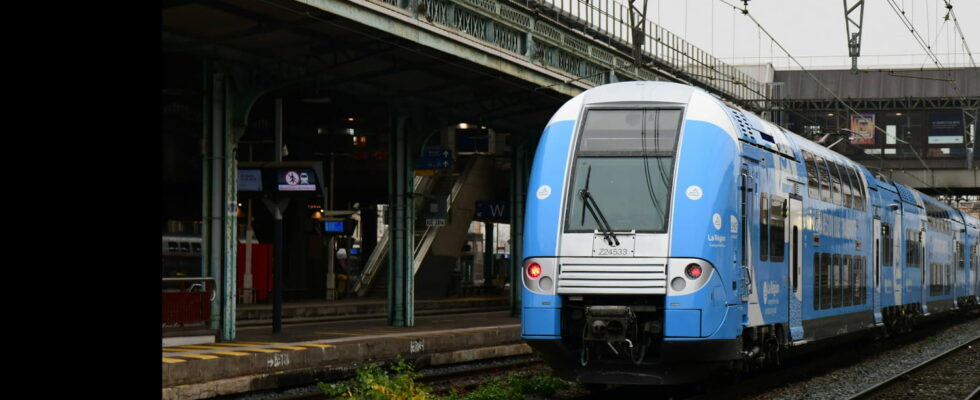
[(956, 23), (745, 11), (925, 46)]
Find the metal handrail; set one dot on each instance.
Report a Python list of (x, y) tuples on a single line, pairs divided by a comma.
[(205, 279), (421, 184), (609, 17), (606, 28)]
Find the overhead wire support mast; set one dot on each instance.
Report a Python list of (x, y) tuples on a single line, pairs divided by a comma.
[(638, 23), (854, 38)]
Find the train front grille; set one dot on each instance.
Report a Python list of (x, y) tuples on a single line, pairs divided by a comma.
[(612, 279)]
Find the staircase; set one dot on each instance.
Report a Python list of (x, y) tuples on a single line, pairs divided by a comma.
[(436, 248)]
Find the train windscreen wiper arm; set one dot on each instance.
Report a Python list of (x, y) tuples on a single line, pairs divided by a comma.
[(593, 207)]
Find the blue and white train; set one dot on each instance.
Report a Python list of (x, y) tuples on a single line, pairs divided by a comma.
[(668, 233)]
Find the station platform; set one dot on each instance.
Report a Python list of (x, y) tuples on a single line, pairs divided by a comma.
[(307, 351), (323, 310)]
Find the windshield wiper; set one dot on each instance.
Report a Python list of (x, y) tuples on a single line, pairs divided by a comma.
[(593, 207)]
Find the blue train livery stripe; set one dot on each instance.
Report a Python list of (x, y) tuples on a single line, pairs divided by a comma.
[(545, 187), (715, 176)]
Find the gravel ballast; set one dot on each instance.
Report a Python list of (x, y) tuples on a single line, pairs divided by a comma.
[(848, 381)]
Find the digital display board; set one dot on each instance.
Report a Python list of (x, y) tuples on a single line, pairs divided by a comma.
[(333, 226), (250, 180)]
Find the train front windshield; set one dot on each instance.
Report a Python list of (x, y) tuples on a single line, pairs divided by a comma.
[(624, 162)]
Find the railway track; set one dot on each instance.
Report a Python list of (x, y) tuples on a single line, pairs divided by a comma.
[(895, 386)]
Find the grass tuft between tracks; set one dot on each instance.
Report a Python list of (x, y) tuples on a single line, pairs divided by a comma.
[(371, 382)]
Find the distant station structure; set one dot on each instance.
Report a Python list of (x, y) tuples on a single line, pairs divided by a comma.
[(917, 127)]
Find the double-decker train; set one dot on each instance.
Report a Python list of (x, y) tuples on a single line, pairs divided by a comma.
[(668, 234)]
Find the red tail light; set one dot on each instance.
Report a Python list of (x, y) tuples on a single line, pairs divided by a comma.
[(533, 270), (693, 271)]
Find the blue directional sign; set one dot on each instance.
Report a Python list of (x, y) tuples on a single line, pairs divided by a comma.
[(436, 158), (492, 211)]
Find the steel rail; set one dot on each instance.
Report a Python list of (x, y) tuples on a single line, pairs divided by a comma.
[(869, 392)]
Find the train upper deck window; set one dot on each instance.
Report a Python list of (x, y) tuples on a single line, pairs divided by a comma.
[(813, 179), (845, 185), (630, 132), (835, 181), (824, 179), (857, 190)]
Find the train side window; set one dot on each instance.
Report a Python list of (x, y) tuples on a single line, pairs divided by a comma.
[(845, 186), (812, 176), (824, 179), (856, 197), (932, 279), (847, 292), (816, 281), (949, 279), (911, 249), (172, 247), (825, 280), (864, 280), (860, 280), (886, 245), (835, 182), (777, 232), (858, 192), (185, 247), (763, 227), (837, 278), (960, 257)]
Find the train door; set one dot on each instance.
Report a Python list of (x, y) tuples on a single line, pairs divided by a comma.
[(923, 263), (876, 261), (795, 265), (748, 194), (957, 250)]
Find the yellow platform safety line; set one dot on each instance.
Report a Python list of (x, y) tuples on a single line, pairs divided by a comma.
[(259, 350), (231, 353), (255, 343), (322, 346), (172, 350), (173, 360), (288, 347), (230, 344), (199, 347), (199, 356)]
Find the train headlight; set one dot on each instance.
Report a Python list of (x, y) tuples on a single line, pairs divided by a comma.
[(693, 271), (533, 270)]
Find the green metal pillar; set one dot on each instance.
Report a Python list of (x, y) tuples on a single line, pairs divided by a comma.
[(401, 254), (219, 231), (518, 187)]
